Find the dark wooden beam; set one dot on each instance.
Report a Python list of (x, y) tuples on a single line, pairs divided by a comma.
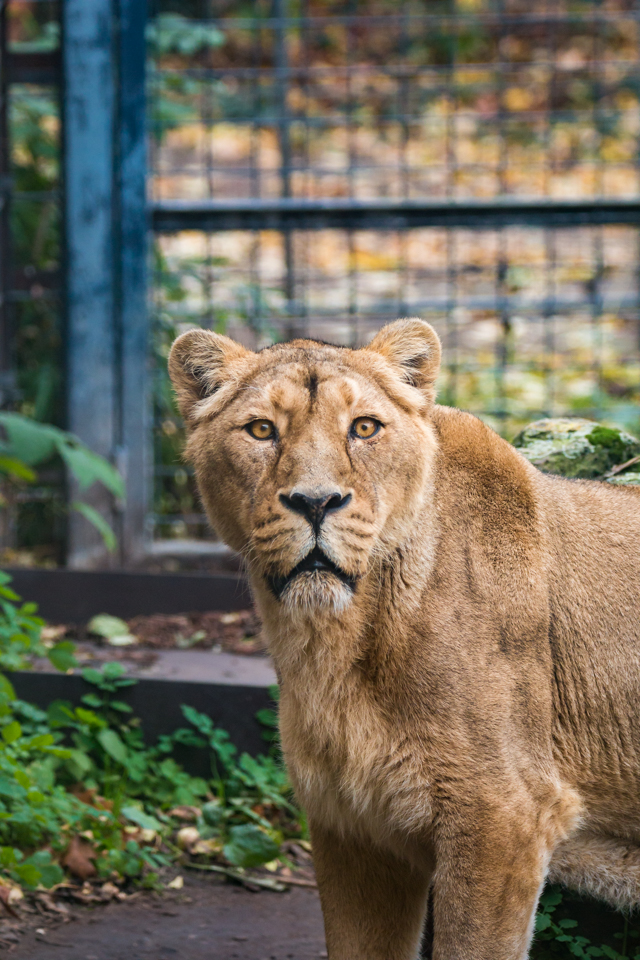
[(74, 596)]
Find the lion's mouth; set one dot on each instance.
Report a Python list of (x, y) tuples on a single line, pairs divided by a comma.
[(314, 562)]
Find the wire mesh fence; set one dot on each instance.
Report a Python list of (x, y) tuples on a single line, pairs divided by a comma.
[(31, 296), (459, 106)]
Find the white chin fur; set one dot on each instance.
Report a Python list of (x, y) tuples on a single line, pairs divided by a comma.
[(315, 592)]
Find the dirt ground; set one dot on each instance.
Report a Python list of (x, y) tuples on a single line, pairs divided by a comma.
[(208, 919)]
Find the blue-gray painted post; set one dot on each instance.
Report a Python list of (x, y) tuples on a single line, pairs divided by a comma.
[(89, 120), (135, 417)]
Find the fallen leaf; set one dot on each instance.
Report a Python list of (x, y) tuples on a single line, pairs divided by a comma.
[(187, 837), (112, 629), (177, 883), (108, 891), (50, 634), (206, 848), (190, 814), (79, 858), (10, 894), (124, 640), (90, 797)]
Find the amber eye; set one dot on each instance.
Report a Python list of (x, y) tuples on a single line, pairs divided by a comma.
[(365, 427), (261, 429)]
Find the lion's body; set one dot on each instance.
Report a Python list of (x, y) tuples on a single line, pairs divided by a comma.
[(464, 715)]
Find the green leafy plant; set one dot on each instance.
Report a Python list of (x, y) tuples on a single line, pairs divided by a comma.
[(107, 754), (558, 936), (27, 444)]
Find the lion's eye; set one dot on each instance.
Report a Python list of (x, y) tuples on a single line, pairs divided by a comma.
[(261, 429), (365, 427)]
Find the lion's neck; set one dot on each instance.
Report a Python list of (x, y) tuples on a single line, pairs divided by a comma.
[(366, 642), (339, 678)]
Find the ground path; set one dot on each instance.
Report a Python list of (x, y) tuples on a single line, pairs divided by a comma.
[(207, 920)]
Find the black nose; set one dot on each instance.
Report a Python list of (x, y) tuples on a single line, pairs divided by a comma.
[(315, 508)]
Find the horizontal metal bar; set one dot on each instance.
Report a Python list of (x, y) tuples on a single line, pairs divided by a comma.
[(40, 68), (501, 18), (171, 216), (399, 71), (318, 171)]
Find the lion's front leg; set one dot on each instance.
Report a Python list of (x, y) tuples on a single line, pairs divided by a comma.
[(373, 903), (486, 887)]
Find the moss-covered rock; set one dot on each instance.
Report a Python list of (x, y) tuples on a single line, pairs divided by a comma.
[(630, 477), (577, 448)]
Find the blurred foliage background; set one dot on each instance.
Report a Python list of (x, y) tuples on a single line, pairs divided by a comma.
[(455, 100)]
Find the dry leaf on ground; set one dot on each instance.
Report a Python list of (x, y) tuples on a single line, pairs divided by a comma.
[(79, 858)]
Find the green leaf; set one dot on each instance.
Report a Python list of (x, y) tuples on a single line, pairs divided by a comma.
[(6, 689), (9, 787), (104, 625), (121, 706), (38, 742), (81, 760), (213, 813), (567, 924), (112, 744), (59, 713), (201, 721), (16, 468), (113, 670), (543, 922), (9, 594), (11, 732), (89, 717), (50, 873), (9, 856), (249, 846), (140, 818), (62, 655), (92, 700), (88, 467), (28, 874), (98, 521), (92, 676), (267, 717), (551, 897), (28, 441), (23, 779)]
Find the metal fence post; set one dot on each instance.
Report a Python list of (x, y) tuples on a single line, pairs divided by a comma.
[(106, 238), (89, 121), (5, 337), (132, 243)]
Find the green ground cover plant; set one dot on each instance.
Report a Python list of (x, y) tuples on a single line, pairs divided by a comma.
[(82, 779)]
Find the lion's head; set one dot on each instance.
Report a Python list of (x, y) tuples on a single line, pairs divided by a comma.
[(311, 459)]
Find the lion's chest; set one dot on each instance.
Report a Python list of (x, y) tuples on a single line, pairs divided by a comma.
[(349, 767)]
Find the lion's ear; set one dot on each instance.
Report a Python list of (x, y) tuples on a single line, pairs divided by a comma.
[(198, 366), (414, 347)]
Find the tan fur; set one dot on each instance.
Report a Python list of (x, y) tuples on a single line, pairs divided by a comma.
[(466, 716)]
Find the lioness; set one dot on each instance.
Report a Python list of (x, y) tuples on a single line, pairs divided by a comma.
[(457, 637)]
